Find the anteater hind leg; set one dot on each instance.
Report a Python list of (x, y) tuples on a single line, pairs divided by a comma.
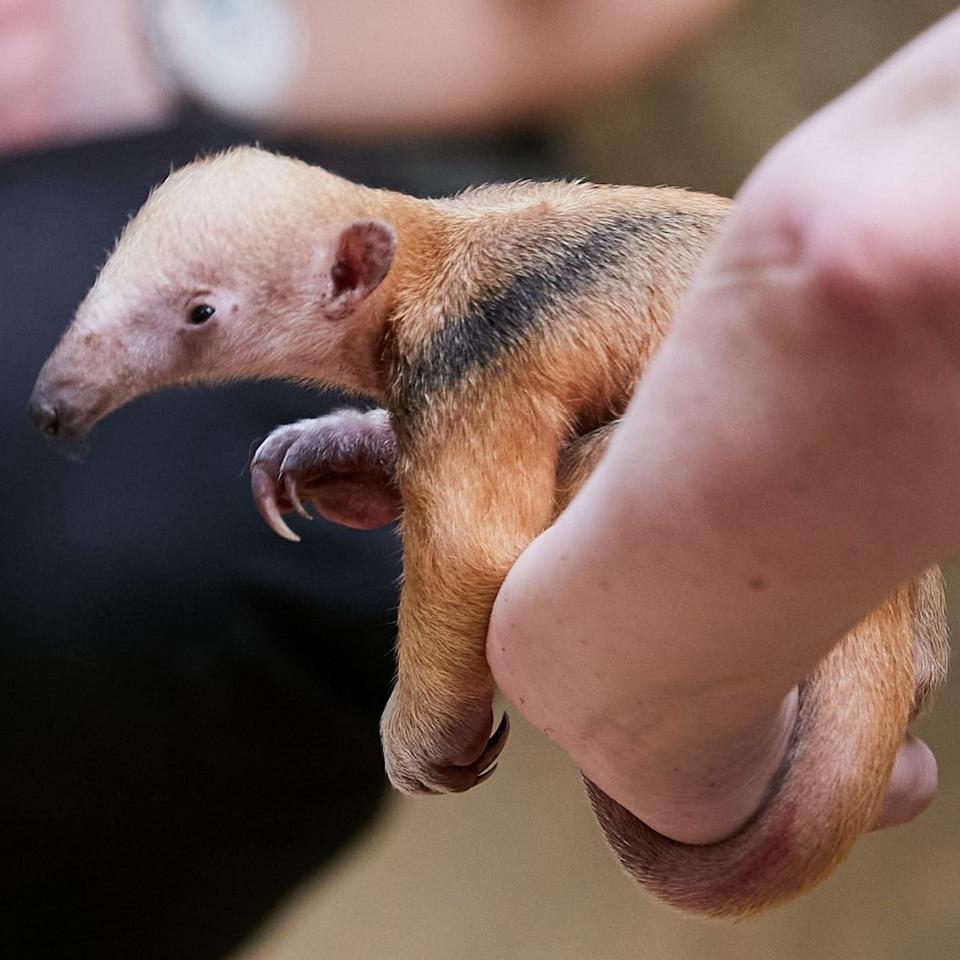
[(829, 792), (578, 460)]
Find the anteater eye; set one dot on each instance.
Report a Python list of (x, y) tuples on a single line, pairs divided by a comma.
[(201, 313)]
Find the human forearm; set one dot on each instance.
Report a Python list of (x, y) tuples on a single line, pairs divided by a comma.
[(424, 66), (719, 551), (342, 68), (786, 461)]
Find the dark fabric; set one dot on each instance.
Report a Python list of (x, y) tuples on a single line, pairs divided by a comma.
[(188, 704), (188, 707)]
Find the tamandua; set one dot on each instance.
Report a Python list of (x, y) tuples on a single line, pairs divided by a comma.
[(502, 332)]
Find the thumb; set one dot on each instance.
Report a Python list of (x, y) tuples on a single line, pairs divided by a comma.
[(912, 786)]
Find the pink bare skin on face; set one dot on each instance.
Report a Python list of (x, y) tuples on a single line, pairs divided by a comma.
[(184, 298)]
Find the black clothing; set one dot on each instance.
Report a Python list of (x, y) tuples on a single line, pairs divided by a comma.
[(188, 704)]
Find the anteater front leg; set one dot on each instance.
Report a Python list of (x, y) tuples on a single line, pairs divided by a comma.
[(344, 463), (472, 502)]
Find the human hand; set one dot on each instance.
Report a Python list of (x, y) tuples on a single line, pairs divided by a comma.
[(803, 411), (71, 71)]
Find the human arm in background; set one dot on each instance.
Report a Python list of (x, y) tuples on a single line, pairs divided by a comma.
[(71, 71), (789, 457), (74, 71), (430, 67)]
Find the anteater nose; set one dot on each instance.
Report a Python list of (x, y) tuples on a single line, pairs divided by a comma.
[(46, 416)]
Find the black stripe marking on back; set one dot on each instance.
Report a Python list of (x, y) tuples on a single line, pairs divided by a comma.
[(506, 317)]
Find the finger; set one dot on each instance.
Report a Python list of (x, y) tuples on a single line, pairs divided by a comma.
[(913, 784)]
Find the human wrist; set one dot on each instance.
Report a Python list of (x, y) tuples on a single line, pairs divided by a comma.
[(692, 758), (702, 784)]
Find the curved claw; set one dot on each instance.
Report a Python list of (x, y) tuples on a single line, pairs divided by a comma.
[(265, 497), (458, 778), (496, 743), (485, 775), (290, 489)]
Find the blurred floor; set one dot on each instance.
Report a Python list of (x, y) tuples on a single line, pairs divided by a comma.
[(517, 871)]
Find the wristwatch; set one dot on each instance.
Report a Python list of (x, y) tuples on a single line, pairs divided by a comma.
[(238, 57)]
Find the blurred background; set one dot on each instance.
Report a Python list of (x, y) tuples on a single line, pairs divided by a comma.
[(188, 706)]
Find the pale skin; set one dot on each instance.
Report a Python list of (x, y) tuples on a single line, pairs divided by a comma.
[(433, 67), (74, 71), (71, 71), (788, 458)]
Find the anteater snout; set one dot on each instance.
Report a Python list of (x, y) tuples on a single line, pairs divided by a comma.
[(56, 416), (47, 416), (64, 409)]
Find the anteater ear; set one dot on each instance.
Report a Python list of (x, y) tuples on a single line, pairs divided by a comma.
[(362, 256)]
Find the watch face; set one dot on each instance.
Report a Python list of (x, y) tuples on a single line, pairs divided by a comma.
[(238, 55)]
